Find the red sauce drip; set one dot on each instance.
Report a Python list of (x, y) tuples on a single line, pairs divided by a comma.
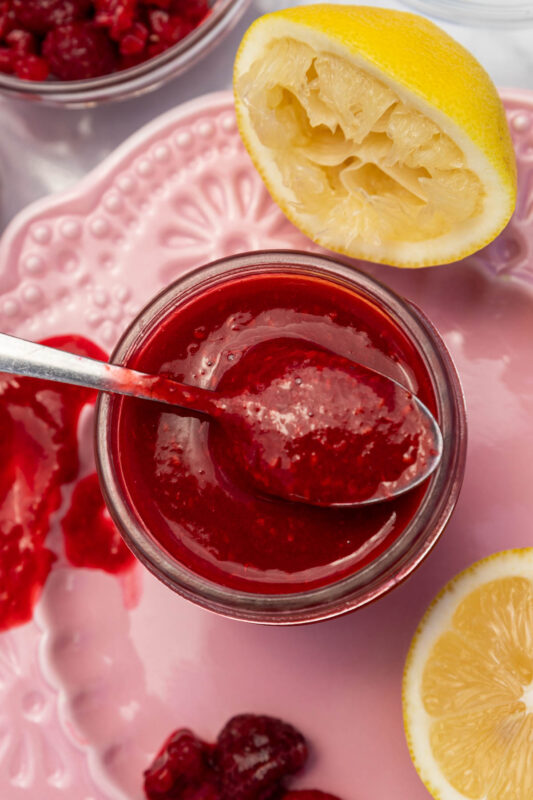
[(38, 425), (210, 522), (91, 538)]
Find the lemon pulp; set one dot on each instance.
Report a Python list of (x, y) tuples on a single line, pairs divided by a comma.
[(351, 153), (468, 691), (360, 162)]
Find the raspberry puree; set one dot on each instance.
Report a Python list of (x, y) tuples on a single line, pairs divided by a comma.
[(38, 435), (91, 539), (38, 427), (186, 491)]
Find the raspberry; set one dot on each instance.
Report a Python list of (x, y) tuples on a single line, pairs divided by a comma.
[(206, 791), (134, 40), (32, 68), (116, 15), (192, 11), (255, 753), (182, 769), (7, 18), (127, 62), (79, 51), (77, 37), (158, 20), (7, 61), (157, 48), (308, 794), (177, 29), (21, 42), (252, 756), (41, 16), (166, 29)]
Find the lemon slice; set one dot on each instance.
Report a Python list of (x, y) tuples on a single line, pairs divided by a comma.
[(468, 684), (377, 134)]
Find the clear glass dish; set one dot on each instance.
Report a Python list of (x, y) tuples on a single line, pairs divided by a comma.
[(361, 586), (137, 80), (477, 12)]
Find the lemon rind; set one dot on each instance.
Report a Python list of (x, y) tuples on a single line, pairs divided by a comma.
[(450, 247)]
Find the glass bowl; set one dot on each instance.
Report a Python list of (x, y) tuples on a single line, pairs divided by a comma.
[(477, 12), (137, 80), (357, 586)]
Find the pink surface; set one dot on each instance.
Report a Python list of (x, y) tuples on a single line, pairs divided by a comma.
[(120, 675)]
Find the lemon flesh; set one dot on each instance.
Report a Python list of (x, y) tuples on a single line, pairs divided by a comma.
[(468, 684), (350, 115)]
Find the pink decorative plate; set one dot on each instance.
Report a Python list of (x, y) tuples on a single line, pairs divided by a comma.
[(122, 664)]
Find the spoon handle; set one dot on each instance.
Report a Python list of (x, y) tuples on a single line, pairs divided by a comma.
[(21, 357)]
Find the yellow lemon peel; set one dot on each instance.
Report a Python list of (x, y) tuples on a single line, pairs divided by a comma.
[(377, 134)]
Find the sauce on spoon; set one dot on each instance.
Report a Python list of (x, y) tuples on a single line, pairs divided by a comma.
[(308, 425)]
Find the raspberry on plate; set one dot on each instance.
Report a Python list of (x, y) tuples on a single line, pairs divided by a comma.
[(182, 768), (255, 753), (79, 51), (252, 757)]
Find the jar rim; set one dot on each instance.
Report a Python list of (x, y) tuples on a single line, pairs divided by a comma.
[(477, 12), (414, 542)]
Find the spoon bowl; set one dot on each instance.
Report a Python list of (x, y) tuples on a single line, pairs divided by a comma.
[(302, 423)]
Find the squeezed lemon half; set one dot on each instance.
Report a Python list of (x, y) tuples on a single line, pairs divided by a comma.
[(468, 684), (377, 134)]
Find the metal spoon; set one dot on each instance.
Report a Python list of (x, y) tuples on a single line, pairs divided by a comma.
[(299, 422)]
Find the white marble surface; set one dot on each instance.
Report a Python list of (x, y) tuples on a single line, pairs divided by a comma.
[(44, 150)]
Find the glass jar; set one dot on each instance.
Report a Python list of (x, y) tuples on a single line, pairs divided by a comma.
[(359, 584), (477, 12), (137, 80)]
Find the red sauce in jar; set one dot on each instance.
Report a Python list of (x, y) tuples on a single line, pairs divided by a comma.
[(182, 489)]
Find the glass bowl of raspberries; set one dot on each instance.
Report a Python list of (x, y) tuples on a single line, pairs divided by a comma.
[(82, 52)]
